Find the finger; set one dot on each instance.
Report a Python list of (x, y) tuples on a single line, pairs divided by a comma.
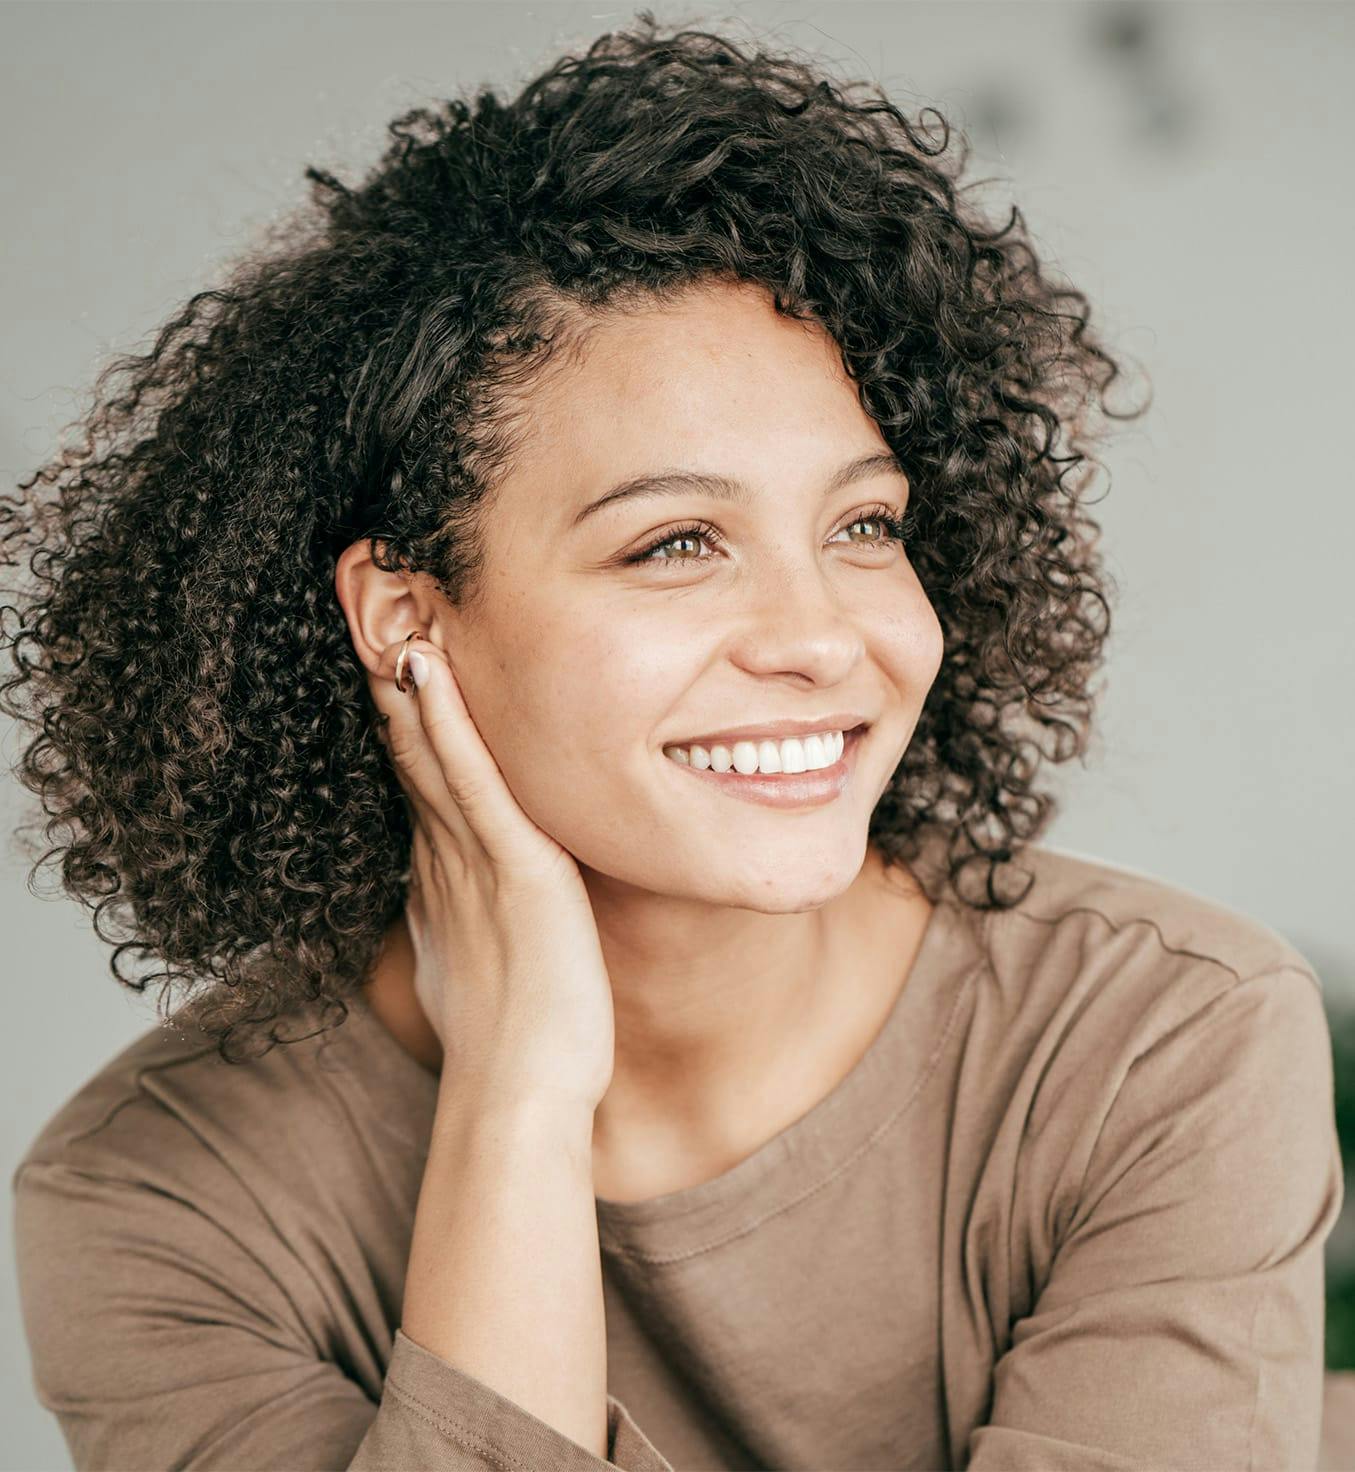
[(415, 762), (472, 777)]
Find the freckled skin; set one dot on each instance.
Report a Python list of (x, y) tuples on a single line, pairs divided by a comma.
[(753, 952)]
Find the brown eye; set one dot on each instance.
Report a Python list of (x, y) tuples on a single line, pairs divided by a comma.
[(701, 530), (894, 528)]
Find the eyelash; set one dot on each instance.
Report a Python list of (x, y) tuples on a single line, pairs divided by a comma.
[(896, 527)]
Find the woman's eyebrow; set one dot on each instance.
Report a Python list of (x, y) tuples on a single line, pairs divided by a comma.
[(679, 482)]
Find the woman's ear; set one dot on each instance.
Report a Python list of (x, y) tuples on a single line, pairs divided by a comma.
[(381, 607)]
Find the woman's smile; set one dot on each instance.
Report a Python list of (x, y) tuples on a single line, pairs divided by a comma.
[(784, 789)]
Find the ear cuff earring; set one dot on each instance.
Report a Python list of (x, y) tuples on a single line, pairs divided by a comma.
[(400, 665)]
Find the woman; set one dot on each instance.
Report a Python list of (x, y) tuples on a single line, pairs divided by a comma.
[(563, 639)]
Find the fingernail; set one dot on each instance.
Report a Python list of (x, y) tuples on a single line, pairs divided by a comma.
[(418, 667)]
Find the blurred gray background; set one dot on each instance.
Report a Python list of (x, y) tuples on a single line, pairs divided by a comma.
[(1186, 165)]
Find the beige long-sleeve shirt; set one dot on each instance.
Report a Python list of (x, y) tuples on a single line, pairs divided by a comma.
[(1068, 1211)]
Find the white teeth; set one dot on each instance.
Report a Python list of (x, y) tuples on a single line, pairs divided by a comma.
[(755, 756), (810, 754)]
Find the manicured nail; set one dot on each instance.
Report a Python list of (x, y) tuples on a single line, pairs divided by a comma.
[(418, 667)]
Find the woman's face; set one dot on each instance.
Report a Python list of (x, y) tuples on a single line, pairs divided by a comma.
[(579, 668)]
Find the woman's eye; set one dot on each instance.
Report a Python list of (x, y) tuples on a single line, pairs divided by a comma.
[(669, 539), (891, 529)]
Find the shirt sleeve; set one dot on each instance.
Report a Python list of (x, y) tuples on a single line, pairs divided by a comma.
[(158, 1341), (1182, 1321)]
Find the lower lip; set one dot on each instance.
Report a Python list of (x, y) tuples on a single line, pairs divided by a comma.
[(785, 789)]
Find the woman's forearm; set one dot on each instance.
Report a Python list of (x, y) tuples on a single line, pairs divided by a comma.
[(505, 1276)]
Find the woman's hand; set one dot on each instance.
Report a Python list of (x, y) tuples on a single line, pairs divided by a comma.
[(509, 967)]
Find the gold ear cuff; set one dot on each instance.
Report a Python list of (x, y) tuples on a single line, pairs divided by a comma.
[(400, 665)]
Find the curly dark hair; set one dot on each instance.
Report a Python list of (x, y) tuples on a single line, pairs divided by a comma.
[(203, 727)]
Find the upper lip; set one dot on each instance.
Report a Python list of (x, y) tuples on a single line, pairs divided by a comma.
[(788, 726)]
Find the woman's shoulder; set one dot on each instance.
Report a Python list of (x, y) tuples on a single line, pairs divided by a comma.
[(1068, 885), (1115, 958), (168, 1106), (1068, 901)]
